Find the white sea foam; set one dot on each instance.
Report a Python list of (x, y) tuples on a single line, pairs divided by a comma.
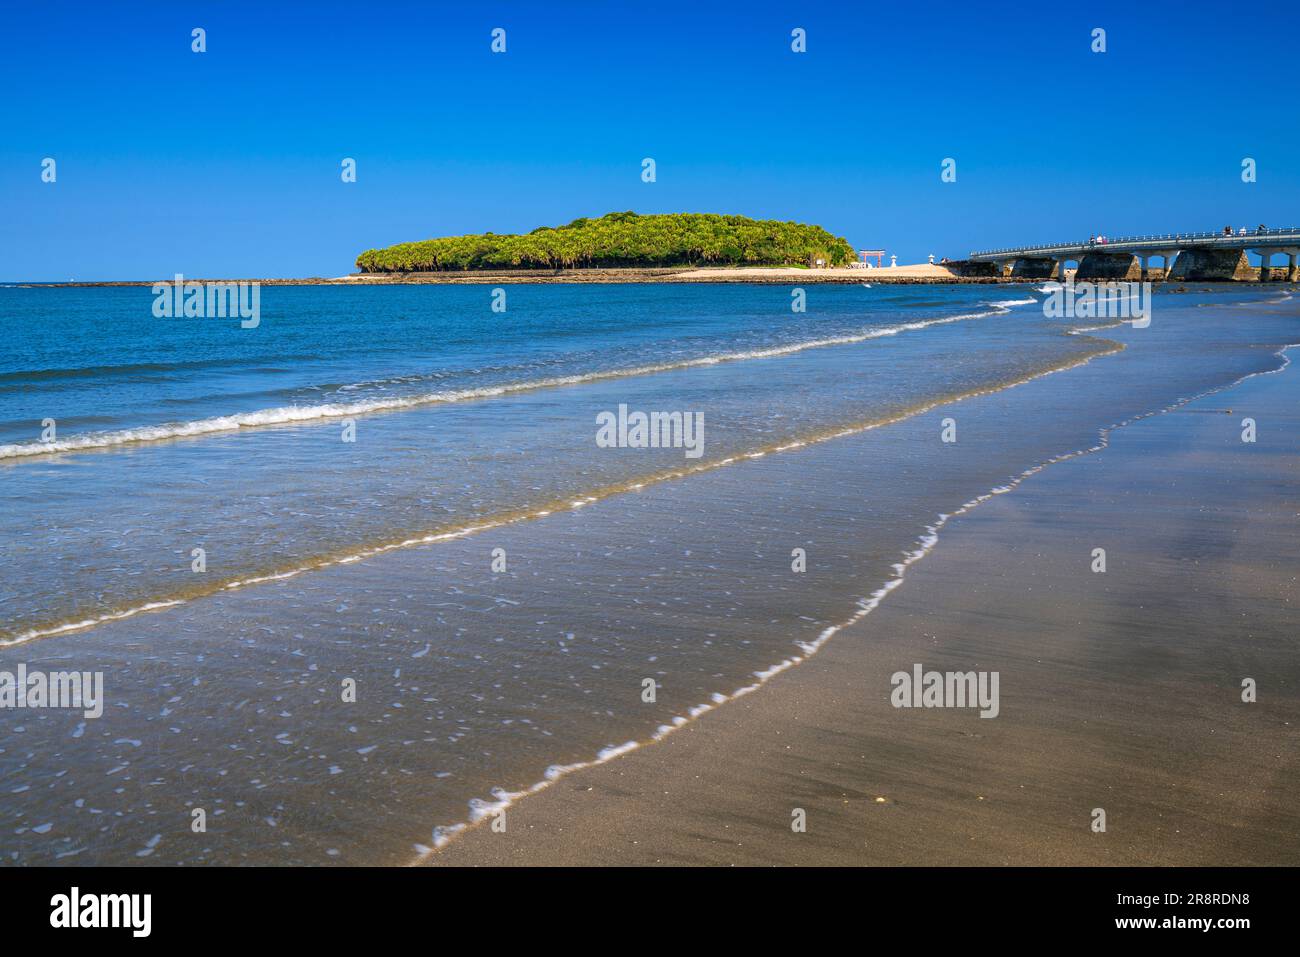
[(298, 414), (430, 538)]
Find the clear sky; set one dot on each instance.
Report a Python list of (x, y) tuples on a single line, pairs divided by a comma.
[(227, 163)]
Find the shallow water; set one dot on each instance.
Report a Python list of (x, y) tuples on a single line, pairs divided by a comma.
[(113, 527)]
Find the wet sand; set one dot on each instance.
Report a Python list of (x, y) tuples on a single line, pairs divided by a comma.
[(1119, 690)]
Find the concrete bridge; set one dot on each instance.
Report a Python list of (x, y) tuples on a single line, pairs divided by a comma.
[(1194, 257)]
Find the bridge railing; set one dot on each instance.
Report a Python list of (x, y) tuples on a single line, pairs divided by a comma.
[(1291, 233)]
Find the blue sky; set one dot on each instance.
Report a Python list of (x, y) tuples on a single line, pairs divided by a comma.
[(227, 163)]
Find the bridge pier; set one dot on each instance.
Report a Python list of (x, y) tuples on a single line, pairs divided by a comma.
[(975, 269), (1167, 257), (1031, 268), (1212, 265), (1265, 263), (1060, 269), (1117, 267)]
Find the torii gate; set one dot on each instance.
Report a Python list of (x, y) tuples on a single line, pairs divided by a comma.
[(878, 253)]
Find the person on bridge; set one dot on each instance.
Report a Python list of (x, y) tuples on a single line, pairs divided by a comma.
[(1261, 229), (1227, 230)]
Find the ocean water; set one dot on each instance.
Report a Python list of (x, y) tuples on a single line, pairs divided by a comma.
[(475, 431), (197, 433)]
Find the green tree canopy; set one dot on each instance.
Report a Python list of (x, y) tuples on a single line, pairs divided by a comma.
[(622, 239)]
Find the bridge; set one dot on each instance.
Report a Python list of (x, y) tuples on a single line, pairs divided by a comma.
[(1194, 257)]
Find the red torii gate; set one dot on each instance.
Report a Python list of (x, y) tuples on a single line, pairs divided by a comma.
[(878, 253)]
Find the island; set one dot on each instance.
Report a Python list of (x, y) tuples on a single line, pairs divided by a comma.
[(622, 240)]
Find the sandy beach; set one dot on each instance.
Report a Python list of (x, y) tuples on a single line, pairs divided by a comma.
[(922, 271), (1119, 690)]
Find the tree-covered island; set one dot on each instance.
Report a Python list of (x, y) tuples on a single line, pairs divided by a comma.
[(622, 240)]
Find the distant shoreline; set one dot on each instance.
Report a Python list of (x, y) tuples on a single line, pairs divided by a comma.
[(751, 274), (785, 276)]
